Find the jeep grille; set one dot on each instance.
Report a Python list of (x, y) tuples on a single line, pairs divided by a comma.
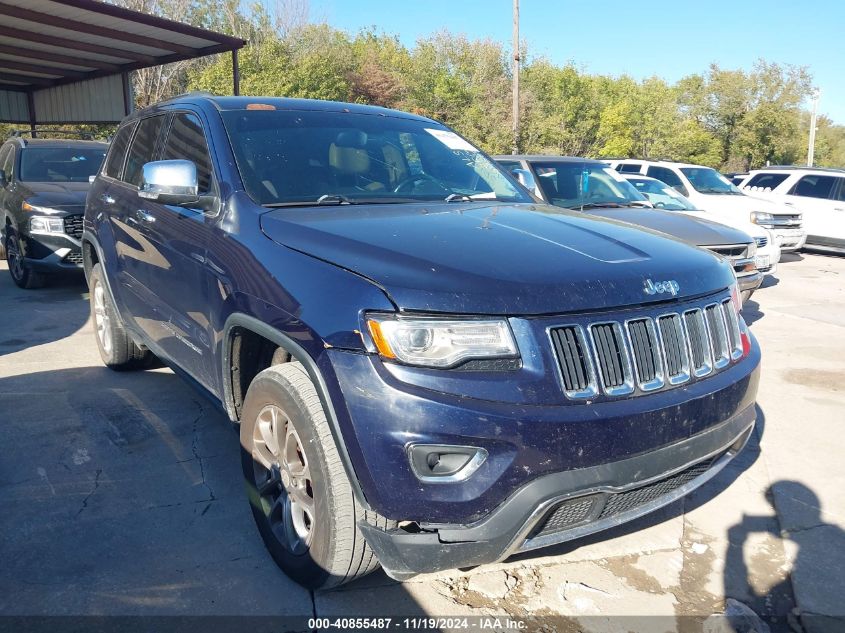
[(643, 354)]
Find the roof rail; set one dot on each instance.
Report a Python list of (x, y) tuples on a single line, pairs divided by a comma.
[(88, 136), (832, 169), (191, 93)]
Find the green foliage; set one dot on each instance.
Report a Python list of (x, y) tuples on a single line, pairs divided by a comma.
[(728, 119)]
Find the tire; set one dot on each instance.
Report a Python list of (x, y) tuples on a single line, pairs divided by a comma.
[(23, 276), (299, 493), (117, 349)]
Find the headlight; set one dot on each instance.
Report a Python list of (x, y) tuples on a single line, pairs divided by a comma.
[(760, 217), (46, 224), (435, 342)]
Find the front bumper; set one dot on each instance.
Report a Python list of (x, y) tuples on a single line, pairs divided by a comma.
[(565, 506), (748, 283), (520, 418), (52, 253), (790, 239), (768, 256)]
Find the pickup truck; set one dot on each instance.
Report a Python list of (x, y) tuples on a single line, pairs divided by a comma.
[(429, 369)]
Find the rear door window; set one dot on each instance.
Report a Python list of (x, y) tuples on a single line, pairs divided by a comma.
[(766, 181), (629, 168), (814, 186), (840, 193), (117, 153), (6, 161), (666, 175), (143, 148)]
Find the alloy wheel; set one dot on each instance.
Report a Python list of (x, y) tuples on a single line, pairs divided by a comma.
[(283, 479), (102, 320), (14, 258)]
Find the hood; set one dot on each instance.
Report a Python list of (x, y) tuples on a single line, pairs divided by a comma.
[(496, 259), (688, 228), (745, 204), (735, 220), (56, 194)]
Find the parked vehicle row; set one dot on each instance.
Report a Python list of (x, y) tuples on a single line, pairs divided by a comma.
[(709, 190), (592, 187), (767, 255)]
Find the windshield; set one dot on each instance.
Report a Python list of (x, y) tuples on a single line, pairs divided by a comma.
[(576, 185), (60, 164), (661, 195), (707, 180), (306, 157)]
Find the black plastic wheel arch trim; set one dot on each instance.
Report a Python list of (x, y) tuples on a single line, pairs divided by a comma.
[(245, 321)]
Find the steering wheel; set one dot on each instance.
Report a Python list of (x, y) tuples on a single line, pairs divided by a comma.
[(410, 180), (659, 205)]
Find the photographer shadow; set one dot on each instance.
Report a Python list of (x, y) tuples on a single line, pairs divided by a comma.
[(817, 576)]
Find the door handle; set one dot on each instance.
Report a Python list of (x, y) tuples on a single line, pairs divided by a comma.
[(145, 217), (107, 199)]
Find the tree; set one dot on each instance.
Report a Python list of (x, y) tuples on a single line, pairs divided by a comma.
[(726, 118)]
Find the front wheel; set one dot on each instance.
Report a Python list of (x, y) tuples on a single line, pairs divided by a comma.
[(22, 275), (301, 498), (117, 349)]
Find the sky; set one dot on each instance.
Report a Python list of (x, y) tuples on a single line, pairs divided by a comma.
[(639, 38)]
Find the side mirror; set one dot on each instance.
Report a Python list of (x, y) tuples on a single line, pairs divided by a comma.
[(171, 182), (526, 179), (92, 178)]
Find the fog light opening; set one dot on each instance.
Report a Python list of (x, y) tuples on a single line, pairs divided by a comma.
[(436, 463)]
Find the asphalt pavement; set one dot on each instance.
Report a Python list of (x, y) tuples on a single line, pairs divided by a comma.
[(121, 494)]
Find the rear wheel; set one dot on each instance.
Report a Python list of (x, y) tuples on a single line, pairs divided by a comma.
[(301, 498), (117, 349), (21, 273)]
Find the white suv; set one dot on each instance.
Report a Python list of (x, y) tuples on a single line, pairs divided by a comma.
[(818, 193), (711, 191)]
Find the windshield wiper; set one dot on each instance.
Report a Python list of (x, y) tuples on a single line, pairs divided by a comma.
[(327, 199), (596, 205), (457, 197), (333, 198)]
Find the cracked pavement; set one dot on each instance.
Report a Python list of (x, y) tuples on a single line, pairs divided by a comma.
[(122, 494)]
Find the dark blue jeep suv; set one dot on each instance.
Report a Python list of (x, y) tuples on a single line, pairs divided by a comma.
[(429, 368)]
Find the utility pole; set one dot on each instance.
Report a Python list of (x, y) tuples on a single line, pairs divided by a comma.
[(515, 76), (812, 148)]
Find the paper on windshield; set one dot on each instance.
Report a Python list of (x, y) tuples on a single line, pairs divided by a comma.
[(451, 140)]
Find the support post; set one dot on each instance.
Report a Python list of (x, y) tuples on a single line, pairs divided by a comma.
[(236, 74), (515, 124), (33, 120), (128, 101)]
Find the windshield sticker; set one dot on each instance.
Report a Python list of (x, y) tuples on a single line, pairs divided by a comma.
[(451, 140)]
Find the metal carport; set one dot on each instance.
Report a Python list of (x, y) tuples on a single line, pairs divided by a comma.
[(68, 61)]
